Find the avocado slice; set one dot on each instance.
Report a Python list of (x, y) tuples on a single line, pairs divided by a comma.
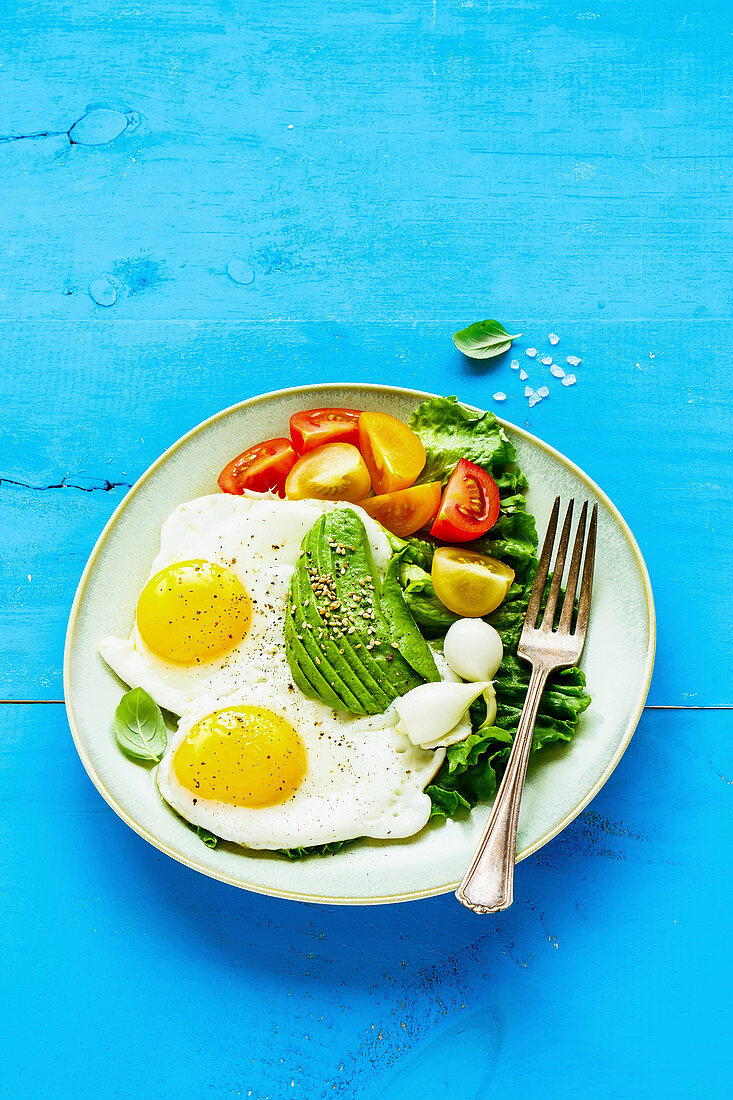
[(351, 641), (358, 588), (304, 672), (323, 645), (403, 628)]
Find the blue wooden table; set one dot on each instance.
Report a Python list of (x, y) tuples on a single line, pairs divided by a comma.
[(205, 200)]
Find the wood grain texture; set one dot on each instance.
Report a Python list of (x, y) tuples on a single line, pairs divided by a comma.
[(657, 436), (202, 201), (368, 160), (172, 982)]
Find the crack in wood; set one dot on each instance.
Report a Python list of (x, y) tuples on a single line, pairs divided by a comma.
[(105, 486), (107, 124)]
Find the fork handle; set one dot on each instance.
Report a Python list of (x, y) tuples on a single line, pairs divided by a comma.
[(488, 884)]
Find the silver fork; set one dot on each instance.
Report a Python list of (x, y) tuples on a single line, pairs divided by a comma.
[(488, 884)]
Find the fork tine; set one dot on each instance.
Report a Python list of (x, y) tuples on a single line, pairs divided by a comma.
[(535, 596), (586, 584), (566, 614), (557, 572)]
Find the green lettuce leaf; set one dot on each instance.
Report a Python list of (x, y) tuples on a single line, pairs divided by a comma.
[(314, 850), (451, 431), (473, 768)]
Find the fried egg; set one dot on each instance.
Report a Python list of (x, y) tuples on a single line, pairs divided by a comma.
[(254, 760), (274, 769), (210, 618)]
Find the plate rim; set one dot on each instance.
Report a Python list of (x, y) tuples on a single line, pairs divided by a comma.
[(444, 888)]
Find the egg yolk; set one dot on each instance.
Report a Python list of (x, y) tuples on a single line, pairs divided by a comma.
[(193, 611), (244, 756)]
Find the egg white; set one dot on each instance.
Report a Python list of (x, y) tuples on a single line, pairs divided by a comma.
[(363, 778), (258, 538)]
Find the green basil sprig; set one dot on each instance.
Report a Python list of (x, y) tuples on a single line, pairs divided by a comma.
[(483, 340), (139, 727)]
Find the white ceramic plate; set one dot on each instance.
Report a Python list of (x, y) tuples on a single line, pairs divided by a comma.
[(618, 662)]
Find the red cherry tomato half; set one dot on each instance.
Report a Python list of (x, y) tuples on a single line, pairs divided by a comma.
[(260, 468), (317, 427), (470, 505)]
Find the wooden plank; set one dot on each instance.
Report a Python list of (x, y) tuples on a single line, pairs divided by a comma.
[(366, 162), (217, 991), (92, 406)]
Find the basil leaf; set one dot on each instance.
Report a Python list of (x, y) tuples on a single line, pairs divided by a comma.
[(483, 340), (209, 839), (139, 727)]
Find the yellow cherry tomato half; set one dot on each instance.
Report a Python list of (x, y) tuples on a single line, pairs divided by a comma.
[(393, 453), (469, 584), (335, 471), (406, 511)]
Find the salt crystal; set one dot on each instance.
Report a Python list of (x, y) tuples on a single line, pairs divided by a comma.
[(543, 391), (528, 391), (573, 360), (557, 371), (534, 399), (515, 364), (531, 352), (554, 338), (523, 375), (569, 380), (500, 396), (546, 360)]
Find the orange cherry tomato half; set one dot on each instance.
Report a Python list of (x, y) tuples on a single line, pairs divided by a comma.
[(316, 427), (393, 453), (406, 511), (334, 472), (470, 505), (260, 468)]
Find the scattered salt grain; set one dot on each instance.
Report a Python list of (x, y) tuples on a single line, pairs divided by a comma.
[(531, 352), (534, 399), (573, 360), (546, 360), (569, 380), (554, 338), (557, 371), (500, 396), (514, 364), (523, 375), (528, 391), (543, 391)]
